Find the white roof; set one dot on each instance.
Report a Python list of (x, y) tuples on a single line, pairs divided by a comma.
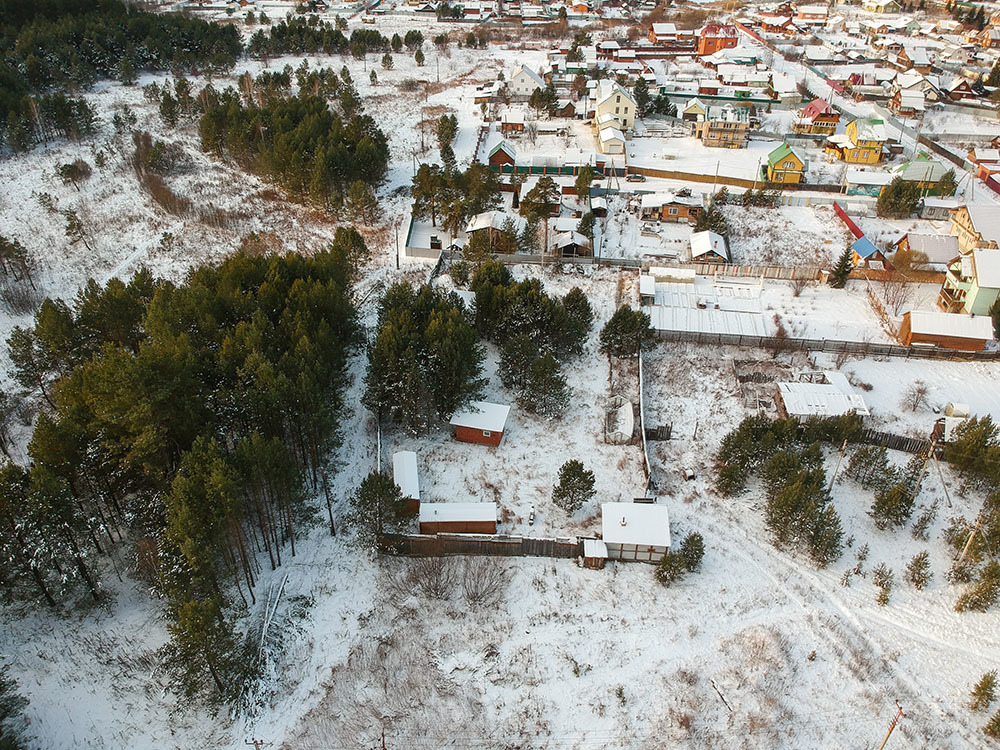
[(482, 415), (985, 220), (951, 324), (870, 130), (404, 473), (987, 263), (468, 297), (494, 220), (437, 512), (611, 134), (647, 286), (635, 523), (595, 548), (867, 177), (703, 243), (833, 398), (530, 73), (932, 202), (986, 154), (939, 248), (657, 200), (661, 29)]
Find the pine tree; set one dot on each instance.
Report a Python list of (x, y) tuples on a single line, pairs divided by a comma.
[(387, 63), (641, 93), (419, 57), (671, 568), (882, 577), (397, 44), (12, 706), (918, 571), (842, 271), (575, 486), (545, 392), (984, 693), (984, 593), (992, 728), (169, 109), (377, 507), (692, 551), (516, 356), (625, 332), (580, 318), (892, 506)]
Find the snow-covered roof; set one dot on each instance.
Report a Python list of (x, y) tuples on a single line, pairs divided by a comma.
[(867, 177), (870, 130), (832, 398), (564, 239), (985, 219), (933, 202), (987, 267), (985, 155), (482, 415), (912, 100), (939, 248), (606, 89), (951, 324), (595, 548), (657, 200), (468, 297), (494, 220), (458, 512), (663, 29), (611, 134), (635, 523), (530, 73), (706, 242), (404, 473), (647, 286)]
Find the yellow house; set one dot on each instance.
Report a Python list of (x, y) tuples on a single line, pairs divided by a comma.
[(614, 102), (861, 143), (784, 165), (976, 226)]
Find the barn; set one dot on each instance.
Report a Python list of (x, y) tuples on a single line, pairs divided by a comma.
[(635, 531), (481, 422), (946, 330), (404, 474), (458, 518)]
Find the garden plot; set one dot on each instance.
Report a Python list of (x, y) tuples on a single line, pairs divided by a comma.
[(785, 236)]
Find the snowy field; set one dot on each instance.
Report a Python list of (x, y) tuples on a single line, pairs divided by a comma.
[(757, 650)]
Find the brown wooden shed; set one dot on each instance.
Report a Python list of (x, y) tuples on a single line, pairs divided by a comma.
[(946, 330), (458, 518), (481, 422)]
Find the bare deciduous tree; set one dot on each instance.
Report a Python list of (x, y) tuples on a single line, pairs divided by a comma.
[(484, 581), (434, 577), (914, 396), (896, 293)]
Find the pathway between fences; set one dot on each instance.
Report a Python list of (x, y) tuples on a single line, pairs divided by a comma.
[(440, 545)]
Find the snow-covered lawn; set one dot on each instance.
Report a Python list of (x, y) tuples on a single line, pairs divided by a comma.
[(785, 236)]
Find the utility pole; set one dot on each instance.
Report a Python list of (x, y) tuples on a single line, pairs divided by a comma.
[(840, 458), (895, 720), (972, 535)]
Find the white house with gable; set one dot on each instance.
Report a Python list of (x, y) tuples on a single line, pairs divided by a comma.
[(525, 82)]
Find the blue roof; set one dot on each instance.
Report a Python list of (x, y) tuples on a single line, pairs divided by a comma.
[(864, 247)]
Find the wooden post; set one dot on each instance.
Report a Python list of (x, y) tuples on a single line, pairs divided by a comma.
[(895, 720)]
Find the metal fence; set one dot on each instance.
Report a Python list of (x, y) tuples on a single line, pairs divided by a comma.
[(440, 545), (861, 348)]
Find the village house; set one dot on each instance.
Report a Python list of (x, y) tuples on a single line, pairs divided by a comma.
[(723, 127), (812, 14), (612, 99), (867, 182), (785, 166), (524, 82), (708, 247), (669, 207), (502, 155), (572, 245), (714, 37), (635, 531), (937, 209), (945, 330), (987, 161), (817, 118), (663, 33), (880, 6), (976, 225), (458, 518), (512, 123), (861, 143), (496, 224), (908, 103), (865, 253), (972, 283), (610, 140), (923, 171), (822, 394)]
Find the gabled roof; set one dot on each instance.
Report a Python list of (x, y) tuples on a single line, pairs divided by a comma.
[(817, 107), (718, 31), (864, 248), (921, 169), (482, 415), (985, 220), (832, 398), (870, 130), (782, 152), (703, 243), (986, 264), (938, 248), (494, 220), (506, 148), (696, 102), (607, 89), (951, 324), (635, 523), (530, 73)]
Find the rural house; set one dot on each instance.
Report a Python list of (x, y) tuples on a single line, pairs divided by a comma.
[(669, 207), (976, 225), (817, 118), (861, 143), (930, 251), (865, 253), (784, 165), (946, 330), (635, 531), (524, 82), (723, 127), (972, 283), (715, 37), (501, 155), (923, 171), (614, 100), (708, 247), (404, 474), (481, 422)]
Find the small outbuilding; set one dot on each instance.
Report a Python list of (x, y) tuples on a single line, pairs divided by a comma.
[(946, 330), (481, 422), (709, 246), (635, 531), (595, 553), (833, 396), (458, 518), (404, 474)]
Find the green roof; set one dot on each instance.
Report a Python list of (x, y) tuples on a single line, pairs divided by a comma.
[(780, 153)]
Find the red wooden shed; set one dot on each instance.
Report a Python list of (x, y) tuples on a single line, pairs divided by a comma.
[(481, 422)]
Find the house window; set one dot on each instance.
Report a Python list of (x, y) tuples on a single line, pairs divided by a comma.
[(672, 211), (487, 433), (616, 110), (618, 100), (789, 164)]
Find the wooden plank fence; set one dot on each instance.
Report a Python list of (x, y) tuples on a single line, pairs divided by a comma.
[(895, 442), (864, 349), (441, 545)]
